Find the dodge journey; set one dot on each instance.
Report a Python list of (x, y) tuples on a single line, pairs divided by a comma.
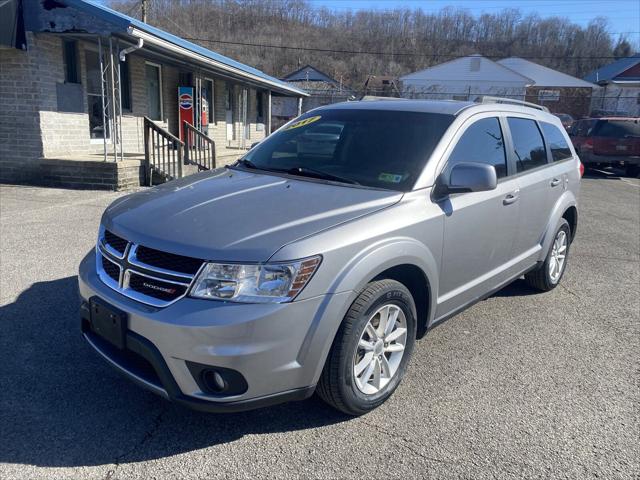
[(315, 262)]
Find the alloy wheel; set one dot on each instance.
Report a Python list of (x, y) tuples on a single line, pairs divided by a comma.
[(558, 256), (380, 349)]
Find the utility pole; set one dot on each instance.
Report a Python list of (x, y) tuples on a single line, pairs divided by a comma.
[(144, 7)]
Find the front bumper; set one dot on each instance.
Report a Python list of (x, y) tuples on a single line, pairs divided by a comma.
[(279, 349)]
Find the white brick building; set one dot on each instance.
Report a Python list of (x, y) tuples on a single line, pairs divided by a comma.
[(63, 123)]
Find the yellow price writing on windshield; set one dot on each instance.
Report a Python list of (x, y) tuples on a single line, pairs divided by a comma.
[(303, 122)]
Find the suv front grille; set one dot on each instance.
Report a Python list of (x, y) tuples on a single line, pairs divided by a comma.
[(168, 261), (111, 269), (149, 276), (115, 242)]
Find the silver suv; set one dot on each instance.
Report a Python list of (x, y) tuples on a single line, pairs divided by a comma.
[(315, 261)]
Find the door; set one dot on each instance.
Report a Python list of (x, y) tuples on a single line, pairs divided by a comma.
[(228, 105), (479, 227), (535, 181), (243, 102), (98, 117), (153, 79), (561, 156)]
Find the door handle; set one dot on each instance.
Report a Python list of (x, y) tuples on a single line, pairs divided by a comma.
[(555, 182), (511, 198)]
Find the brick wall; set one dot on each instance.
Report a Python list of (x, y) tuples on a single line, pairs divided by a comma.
[(24, 87), (32, 128), (574, 101)]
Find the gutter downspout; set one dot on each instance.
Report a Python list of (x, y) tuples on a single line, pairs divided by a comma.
[(127, 51)]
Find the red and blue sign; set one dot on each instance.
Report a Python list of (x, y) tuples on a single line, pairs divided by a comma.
[(185, 110)]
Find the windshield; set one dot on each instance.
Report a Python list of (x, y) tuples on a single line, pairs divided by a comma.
[(373, 148)]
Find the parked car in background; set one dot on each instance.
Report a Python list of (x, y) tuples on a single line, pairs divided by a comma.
[(608, 141), (316, 269), (566, 119)]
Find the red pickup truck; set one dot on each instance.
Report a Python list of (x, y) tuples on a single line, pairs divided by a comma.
[(608, 141)]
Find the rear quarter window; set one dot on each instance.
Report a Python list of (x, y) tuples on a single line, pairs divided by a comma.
[(557, 143)]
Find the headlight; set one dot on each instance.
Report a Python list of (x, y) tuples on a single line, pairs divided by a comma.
[(267, 283)]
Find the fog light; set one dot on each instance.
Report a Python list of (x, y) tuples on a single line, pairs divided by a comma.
[(214, 381), (219, 381)]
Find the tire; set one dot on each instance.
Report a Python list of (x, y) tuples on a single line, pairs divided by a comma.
[(632, 171), (542, 278), (339, 385)]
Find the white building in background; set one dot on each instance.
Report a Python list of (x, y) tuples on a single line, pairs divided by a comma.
[(470, 77), (465, 79)]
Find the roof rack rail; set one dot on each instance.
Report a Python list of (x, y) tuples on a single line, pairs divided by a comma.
[(489, 99)]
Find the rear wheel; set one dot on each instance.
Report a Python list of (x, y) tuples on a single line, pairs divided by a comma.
[(371, 350), (548, 276)]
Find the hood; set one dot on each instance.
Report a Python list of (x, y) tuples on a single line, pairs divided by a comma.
[(237, 216)]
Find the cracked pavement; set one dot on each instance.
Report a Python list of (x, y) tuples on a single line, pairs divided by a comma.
[(520, 385)]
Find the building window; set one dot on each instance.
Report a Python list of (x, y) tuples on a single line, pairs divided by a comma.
[(154, 91), (208, 95), (71, 61), (125, 85), (260, 107)]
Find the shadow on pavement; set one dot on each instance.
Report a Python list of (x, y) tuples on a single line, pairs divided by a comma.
[(518, 288), (62, 406)]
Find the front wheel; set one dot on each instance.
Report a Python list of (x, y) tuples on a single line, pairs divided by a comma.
[(548, 276), (371, 350)]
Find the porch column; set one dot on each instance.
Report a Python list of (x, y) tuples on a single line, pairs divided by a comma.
[(299, 106), (268, 132)]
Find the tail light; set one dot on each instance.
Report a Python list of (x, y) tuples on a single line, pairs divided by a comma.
[(581, 168), (588, 143)]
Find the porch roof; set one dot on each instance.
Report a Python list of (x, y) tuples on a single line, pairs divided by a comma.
[(54, 16)]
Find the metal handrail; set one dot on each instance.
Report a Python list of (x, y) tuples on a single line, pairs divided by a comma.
[(163, 152), (200, 150), (512, 101)]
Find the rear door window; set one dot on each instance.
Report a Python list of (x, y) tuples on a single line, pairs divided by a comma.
[(557, 143), (617, 129), (482, 142), (528, 145)]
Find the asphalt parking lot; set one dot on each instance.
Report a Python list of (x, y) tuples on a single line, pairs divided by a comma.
[(521, 384)]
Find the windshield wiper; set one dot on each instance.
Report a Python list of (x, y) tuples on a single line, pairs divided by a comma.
[(247, 163), (312, 172)]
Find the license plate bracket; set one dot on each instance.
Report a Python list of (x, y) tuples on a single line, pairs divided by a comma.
[(108, 322)]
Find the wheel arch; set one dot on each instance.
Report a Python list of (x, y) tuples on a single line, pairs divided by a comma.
[(403, 259), (565, 207), (416, 281), (571, 216)]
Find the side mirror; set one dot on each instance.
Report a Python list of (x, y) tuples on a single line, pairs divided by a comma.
[(470, 177)]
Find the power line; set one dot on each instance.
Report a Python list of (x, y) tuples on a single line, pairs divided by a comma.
[(395, 54)]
